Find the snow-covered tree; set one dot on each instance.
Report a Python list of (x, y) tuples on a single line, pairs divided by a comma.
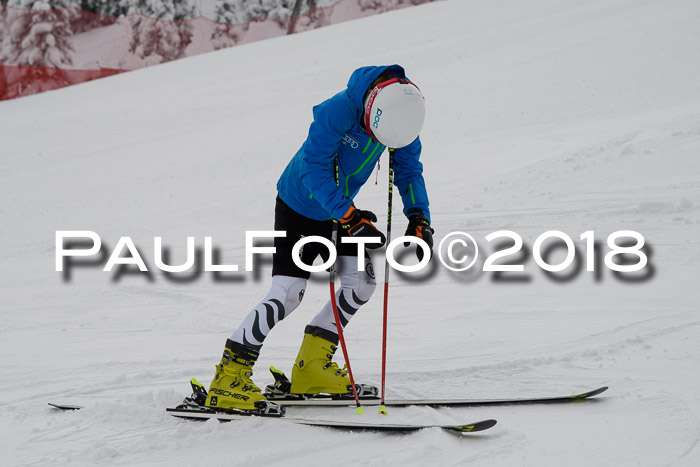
[(112, 8), (377, 5), (96, 13), (233, 17), (380, 6), (243, 11), (3, 79), (159, 29), (37, 33), (2, 22), (278, 9), (37, 39), (224, 34), (185, 10), (310, 14), (228, 11)]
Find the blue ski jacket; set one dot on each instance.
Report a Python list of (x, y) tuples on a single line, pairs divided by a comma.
[(308, 183)]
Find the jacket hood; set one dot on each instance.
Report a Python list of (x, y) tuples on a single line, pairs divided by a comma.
[(363, 77)]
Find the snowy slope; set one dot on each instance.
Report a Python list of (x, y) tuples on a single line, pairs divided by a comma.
[(542, 115)]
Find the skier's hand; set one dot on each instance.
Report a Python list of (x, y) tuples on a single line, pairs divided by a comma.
[(358, 223), (418, 226)]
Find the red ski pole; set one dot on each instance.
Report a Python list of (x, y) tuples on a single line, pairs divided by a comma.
[(339, 327), (334, 305)]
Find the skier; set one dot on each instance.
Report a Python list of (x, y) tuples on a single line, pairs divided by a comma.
[(380, 108)]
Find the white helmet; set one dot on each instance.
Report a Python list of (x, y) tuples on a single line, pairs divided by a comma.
[(394, 112)]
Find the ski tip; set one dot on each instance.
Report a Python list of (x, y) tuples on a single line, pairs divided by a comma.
[(65, 406), (592, 393), (472, 427)]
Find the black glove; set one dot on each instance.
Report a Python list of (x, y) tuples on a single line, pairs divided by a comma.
[(358, 223), (419, 226)]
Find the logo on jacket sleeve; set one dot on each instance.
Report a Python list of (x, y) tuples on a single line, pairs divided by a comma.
[(347, 139)]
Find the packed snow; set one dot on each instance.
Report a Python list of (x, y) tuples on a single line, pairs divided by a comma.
[(542, 115)]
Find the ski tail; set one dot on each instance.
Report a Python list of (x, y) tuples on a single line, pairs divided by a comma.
[(472, 428), (585, 395), (65, 406)]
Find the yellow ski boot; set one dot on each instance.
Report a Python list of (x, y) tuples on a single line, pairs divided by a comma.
[(232, 388), (314, 371)]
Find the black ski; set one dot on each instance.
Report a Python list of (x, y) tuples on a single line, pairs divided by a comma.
[(191, 412), (205, 413), (65, 406), (192, 408), (294, 400), (279, 392)]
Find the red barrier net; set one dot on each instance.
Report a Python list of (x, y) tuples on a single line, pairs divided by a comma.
[(17, 81), (48, 48)]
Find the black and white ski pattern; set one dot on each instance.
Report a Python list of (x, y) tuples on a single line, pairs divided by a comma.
[(204, 413)]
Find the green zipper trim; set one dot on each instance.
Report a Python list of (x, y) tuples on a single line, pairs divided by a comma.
[(347, 179), (410, 188), (311, 196), (367, 147)]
